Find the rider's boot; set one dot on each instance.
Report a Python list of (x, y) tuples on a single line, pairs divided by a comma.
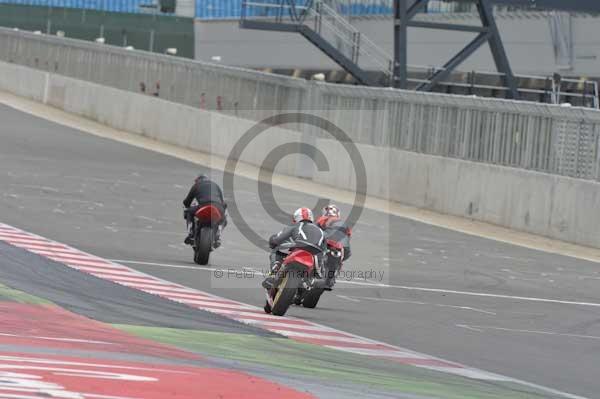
[(298, 299), (269, 282), (329, 279), (217, 243), (329, 283), (189, 240)]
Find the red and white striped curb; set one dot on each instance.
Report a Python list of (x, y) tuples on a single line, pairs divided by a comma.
[(294, 328)]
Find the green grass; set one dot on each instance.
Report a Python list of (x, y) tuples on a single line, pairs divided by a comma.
[(331, 365), (7, 293)]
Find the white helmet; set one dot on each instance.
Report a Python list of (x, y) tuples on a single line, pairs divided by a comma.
[(332, 210), (302, 214)]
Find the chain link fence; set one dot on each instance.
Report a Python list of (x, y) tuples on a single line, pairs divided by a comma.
[(541, 137)]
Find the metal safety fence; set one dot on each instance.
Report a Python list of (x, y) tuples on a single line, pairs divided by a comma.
[(546, 138)]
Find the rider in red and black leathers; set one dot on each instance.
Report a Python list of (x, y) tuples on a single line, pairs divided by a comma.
[(335, 228), (205, 192), (302, 234)]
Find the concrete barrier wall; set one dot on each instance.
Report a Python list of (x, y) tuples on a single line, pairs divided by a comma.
[(554, 206), (166, 121), (533, 136), (23, 81)]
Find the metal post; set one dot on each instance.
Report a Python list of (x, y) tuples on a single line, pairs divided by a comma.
[(400, 44), (416, 7), (548, 91), (356, 48), (557, 80), (151, 44), (280, 12), (472, 83), (320, 18), (484, 7)]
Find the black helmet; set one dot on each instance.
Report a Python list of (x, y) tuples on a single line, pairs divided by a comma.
[(201, 177)]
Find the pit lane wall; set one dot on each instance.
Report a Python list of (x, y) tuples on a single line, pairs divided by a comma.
[(554, 206)]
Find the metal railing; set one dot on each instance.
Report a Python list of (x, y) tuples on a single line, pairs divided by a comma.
[(546, 138), (326, 22), (334, 28), (545, 89), (542, 137), (351, 8)]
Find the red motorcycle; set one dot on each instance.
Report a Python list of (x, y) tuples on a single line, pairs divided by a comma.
[(206, 222), (295, 275)]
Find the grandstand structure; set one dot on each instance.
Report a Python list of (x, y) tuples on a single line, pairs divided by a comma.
[(327, 29), (326, 25), (337, 28), (232, 9)]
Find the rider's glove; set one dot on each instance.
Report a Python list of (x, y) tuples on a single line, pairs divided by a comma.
[(272, 244)]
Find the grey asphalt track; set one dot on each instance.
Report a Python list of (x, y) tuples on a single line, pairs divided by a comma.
[(121, 202)]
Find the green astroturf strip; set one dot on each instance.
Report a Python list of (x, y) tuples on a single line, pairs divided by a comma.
[(338, 367), (330, 366), (9, 294)]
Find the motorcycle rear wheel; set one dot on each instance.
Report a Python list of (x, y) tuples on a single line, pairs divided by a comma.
[(311, 298), (203, 246)]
